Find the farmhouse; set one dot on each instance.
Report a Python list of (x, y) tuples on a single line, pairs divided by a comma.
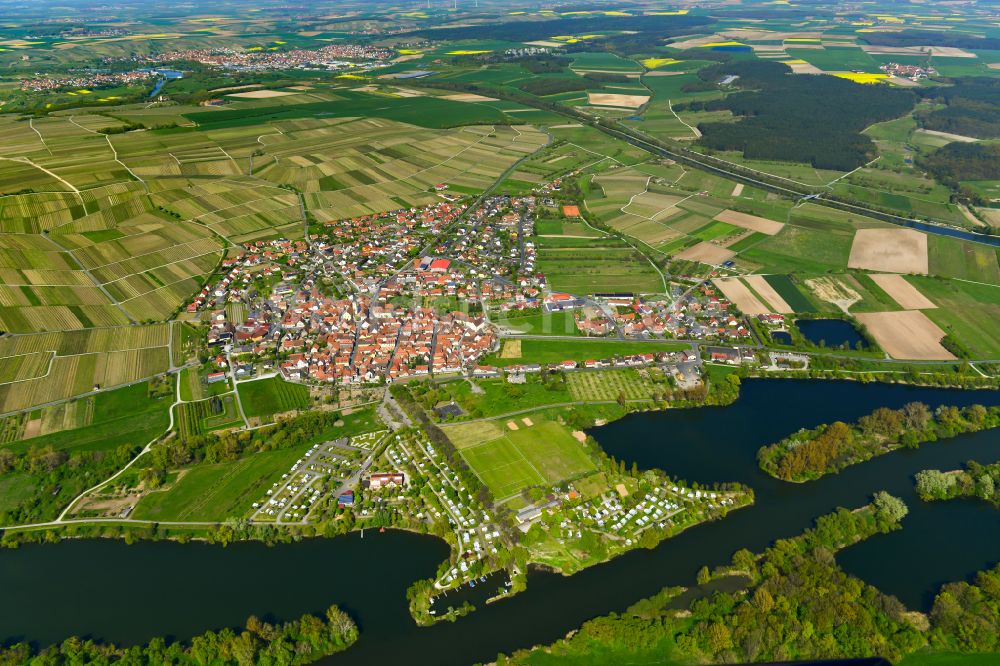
[(729, 355)]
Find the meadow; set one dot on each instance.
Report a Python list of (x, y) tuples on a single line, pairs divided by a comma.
[(217, 492), (267, 397)]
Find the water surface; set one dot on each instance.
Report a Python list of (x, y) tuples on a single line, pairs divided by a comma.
[(111, 591)]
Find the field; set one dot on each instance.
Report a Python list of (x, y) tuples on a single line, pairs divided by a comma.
[(740, 295), (267, 397), (431, 112), (217, 413), (126, 416), (546, 323), (47, 367), (950, 257), (600, 265), (509, 460), (908, 334), (763, 287), (890, 250), (217, 492), (968, 312), (905, 294)]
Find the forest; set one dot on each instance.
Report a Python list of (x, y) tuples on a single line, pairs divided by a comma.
[(796, 604), (828, 448), (813, 119), (551, 86), (931, 38), (960, 161), (300, 641), (972, 108), (523, 31)]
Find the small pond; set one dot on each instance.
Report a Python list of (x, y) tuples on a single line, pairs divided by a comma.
[(831, 333), (781, 337)]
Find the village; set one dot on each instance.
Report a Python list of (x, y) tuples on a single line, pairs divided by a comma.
[(419, 292), (260, 58)]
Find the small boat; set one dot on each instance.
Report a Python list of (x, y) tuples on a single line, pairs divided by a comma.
[(472, 583), (483, 579)]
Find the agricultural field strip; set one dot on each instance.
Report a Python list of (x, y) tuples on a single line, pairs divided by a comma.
[(25, 160), (48, 370), (114, 301), (263, 183), (114, 153), (144, 254), (694, 130), (592, 152), (31, 124), (430, 168), (652, 219)]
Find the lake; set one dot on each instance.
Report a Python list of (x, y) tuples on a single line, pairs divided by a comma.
[(111, 591), (831, 333)]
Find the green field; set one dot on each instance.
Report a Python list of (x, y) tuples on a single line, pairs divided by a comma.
[(968, 312), (796, 249), (546, 323), (217, 492), (600, 265), (544, 453), (790, 293), (554, 351), (266, 397), (422, 111), (950, 257), (15, 488), (125, 416)]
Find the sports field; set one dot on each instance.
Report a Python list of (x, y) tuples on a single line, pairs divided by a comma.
[(510, 455)]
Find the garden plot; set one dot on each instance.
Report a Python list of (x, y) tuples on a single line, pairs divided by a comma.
[(605, 385)]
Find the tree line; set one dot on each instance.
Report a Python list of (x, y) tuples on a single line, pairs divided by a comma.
[(829, 448), (301, 641)]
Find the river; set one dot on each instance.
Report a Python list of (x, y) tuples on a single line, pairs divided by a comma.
[(111, 591)]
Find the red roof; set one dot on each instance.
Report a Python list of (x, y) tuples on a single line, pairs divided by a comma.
[(440, 264)]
